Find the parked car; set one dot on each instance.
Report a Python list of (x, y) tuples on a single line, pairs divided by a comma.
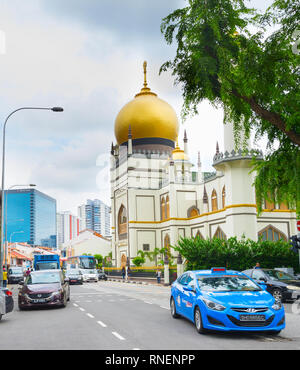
[(101, 275), (15, 274), (75, 276), (6, 302), (281, 285), (89, 275), (44, 288)]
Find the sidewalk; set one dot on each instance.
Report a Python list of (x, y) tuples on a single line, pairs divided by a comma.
[(133, 280)]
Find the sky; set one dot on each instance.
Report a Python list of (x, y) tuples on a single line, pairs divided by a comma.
[(86, 56)]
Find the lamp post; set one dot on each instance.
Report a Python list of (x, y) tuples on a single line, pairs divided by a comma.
[(53, 109), (5, 228)]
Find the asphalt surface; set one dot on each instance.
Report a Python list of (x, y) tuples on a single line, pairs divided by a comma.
[(117, 316)]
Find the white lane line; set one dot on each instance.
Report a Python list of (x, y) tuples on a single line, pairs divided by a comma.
[(117, 335), (81, 309), (136, 349), (74, 304), (166, 308), (102, 324), (148, 302), (91, 316)]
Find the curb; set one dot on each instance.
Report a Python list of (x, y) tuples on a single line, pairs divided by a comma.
[(133, 282)]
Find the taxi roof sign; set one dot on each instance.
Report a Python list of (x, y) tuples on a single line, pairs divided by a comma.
[(218, 269)]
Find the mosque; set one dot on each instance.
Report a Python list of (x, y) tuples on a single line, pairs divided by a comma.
[(157, 197)]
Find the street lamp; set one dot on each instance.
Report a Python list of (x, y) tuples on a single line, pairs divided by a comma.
[(53, 109), (5, 228)]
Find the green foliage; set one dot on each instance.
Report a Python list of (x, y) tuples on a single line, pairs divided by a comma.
[(138, 261), (225, 54), (234, 254), (99, 259)]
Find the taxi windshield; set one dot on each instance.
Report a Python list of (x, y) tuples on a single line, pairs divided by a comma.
[(229, 283)]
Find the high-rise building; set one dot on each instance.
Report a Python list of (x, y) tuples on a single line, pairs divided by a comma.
[(68, 227), (95, 215), (31, 217)]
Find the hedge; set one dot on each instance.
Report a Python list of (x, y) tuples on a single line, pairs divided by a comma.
[(236, 254)]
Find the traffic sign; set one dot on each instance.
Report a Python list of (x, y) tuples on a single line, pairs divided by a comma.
[(298, 225)]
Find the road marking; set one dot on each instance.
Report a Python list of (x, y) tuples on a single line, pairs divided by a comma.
[(136, 349), (166, 308), (118, 335), (81, 309), (91, 316), (102, 324), (148, 302), (74, 304)]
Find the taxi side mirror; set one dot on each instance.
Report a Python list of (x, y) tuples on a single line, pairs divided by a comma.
[(189, 288)]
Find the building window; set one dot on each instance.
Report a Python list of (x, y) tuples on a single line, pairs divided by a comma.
[(223, 197), (199, 235), (220, 234), (146, 247), (163, 208), (122, 221), (214, 201), (283, 206), (193, 212), (167, 242), (272, 234), (167, 207)]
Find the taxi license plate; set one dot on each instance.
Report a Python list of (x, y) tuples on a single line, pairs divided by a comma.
[(252, 318), (73, 281), (39, 300)]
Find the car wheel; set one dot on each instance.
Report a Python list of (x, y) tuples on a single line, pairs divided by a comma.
[(173, 309), (275, 332), (277, 294), (198, 321)]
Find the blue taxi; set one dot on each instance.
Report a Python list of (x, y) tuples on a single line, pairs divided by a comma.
[(219, 299)]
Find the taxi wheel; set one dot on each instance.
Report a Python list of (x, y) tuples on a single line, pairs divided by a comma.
[(198, 321), (173, 309)]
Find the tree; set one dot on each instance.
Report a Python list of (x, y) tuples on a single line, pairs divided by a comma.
[(225, 54), (99, 259)]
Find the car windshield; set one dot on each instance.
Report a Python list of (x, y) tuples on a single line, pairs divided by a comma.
[(43, 278), (279, 275), (229, 283), (73, 272), (17, 271)]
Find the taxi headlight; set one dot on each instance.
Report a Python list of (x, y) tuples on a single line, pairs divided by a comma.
[(277, 305), (213, 305)]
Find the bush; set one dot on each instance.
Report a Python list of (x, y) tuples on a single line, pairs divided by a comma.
[(236, 254), (138, 261)]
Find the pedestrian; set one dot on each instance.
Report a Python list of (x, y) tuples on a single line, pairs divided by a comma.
[(128, 272), (4, 277), (257, 266), (158, 276), (123, 273), (27, 273)]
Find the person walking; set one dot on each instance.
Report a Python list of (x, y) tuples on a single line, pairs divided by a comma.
[(158, 276), (4, 277), (123, 273)]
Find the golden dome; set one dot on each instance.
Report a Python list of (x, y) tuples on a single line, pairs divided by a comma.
[(179, 154), (148, 116)]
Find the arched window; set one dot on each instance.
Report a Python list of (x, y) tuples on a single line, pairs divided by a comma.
[(163, 208), (271, 233), (122, 221), (193, 212), (214, 201), (223, 197), (220, 234), (199, 235), (167, 207), (167, 242)]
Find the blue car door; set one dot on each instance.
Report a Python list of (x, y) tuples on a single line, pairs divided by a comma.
[(188, 297), (178, 292)]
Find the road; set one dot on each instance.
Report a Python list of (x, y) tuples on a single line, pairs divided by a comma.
[(117, 316)]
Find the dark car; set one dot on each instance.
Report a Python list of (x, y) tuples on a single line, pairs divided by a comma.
[(6, 302), (15, 274), (101, 275), (44, 288), (75, 276), (281, 285)]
